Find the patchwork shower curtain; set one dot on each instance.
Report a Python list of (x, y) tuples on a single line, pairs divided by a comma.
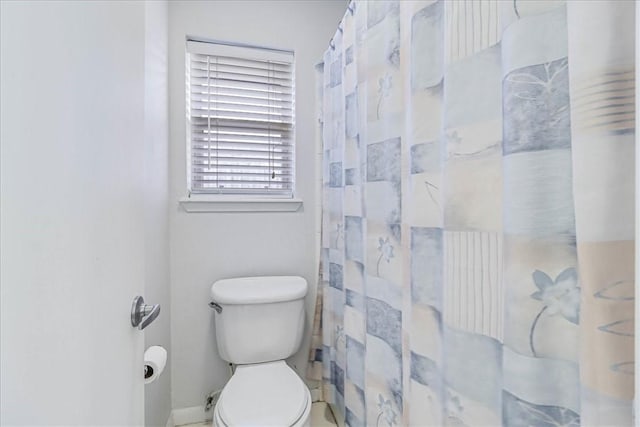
[(478, 213)]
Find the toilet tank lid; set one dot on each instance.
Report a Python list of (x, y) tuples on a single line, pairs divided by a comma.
[(258, 290)]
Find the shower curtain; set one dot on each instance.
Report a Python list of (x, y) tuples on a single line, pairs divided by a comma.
[(478, 213)]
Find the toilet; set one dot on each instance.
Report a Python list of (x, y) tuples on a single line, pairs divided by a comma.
[(259, 323)]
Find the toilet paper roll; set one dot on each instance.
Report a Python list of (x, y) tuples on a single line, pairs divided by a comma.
[(155, 358)]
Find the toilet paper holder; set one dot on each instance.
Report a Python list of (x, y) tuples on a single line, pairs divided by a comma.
[(155, 359), (143, 314)]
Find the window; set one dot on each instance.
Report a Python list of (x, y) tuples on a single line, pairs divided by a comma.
[(240, 113)]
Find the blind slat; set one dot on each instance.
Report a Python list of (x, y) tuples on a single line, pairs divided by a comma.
[(235, 152), (240, 155), (241, 188), (204, 171), (212, 102), (236, 113), (247, 65), (241, 94), (248, 158), (221, 79), (246, 147), (226, 182), (240, 62), (231, 171), (235, 160), (201, 124), (264, 86), (203, 67), (206, 141), (249, 88), (254, 102), (259, 76)]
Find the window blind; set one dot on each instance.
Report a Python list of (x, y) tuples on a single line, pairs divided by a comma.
[(241, 115)]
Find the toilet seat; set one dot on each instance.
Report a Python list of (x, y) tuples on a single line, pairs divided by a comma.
[(264, 394)]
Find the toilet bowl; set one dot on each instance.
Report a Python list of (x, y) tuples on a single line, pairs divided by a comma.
[(259, 323), (265, 394)]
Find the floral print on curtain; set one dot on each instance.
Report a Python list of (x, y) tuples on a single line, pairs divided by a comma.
[(478, 221)]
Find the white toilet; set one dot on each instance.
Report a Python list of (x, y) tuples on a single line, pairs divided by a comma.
[(259, 323)]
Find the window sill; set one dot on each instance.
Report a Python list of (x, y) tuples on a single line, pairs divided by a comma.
[(200, 203)]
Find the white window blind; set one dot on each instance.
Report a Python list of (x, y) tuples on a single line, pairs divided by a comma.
[(241, 114)]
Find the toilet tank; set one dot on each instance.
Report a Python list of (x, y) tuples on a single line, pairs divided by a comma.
[(262, 318)]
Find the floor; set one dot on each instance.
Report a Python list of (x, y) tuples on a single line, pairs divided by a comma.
[(321, 416)]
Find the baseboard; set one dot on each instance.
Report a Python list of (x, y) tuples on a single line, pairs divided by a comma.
[(194, 414), (316, 395), (170, 422)]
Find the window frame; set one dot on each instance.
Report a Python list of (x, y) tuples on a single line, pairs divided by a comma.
[(203, 201)]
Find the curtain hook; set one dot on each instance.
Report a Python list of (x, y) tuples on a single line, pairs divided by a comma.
[(351, 8), (333, 46)]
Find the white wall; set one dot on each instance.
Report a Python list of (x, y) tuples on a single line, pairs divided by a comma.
[(206, 247), (156, 140), (72, 245)]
